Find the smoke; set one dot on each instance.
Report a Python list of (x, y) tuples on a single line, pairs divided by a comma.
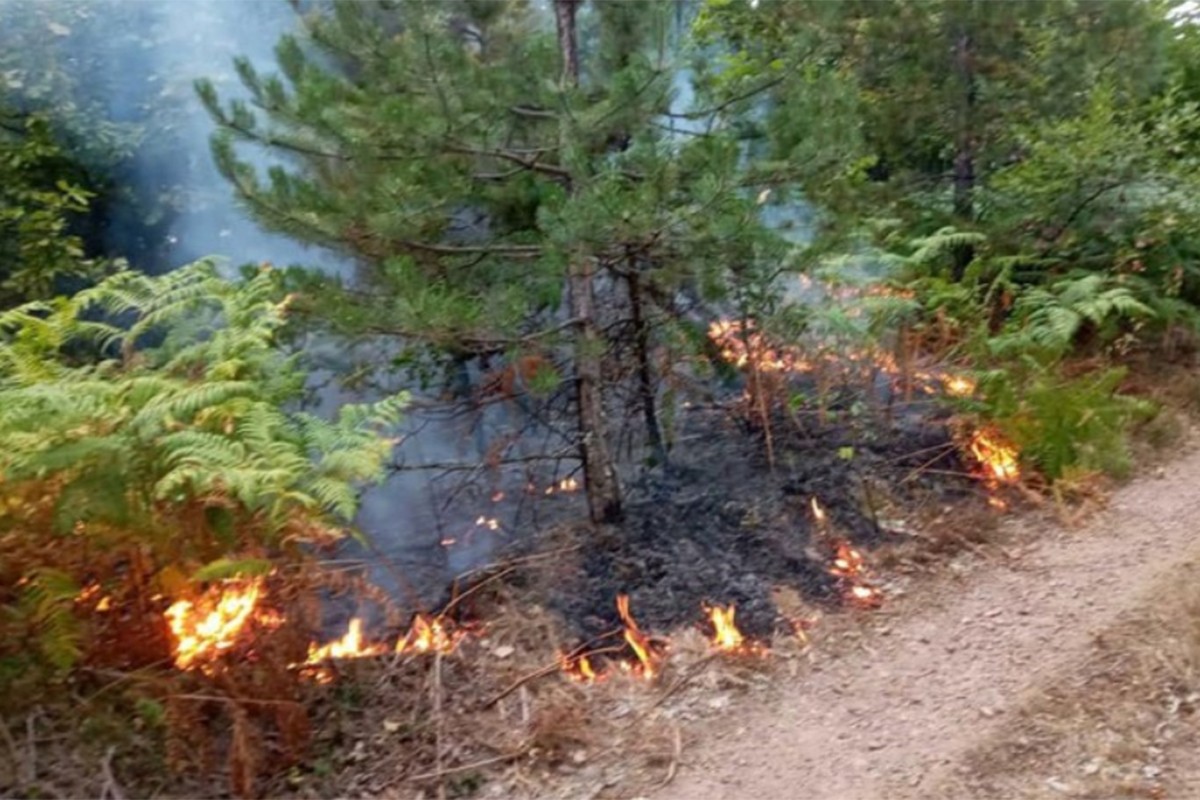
[(199, 39)]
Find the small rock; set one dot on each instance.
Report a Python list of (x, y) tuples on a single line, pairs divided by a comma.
[(391, 726), (876, 745), (1058, 786), (579, 756), (987, 711), (504, 651), (995, 612)]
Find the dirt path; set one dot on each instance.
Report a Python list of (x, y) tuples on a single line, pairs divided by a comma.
[(890, 721)]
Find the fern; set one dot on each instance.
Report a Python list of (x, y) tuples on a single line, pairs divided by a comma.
[(130, 447), (1048, 319)]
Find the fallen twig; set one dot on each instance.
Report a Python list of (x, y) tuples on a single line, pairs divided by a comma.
[(487, 762), (551, 669), (676, 755), (439, 721), (111, 790)]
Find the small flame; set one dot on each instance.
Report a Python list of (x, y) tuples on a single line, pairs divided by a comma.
[(636, 640), (850, 568), (565, 485), (351, 645), (429, 635), (818, 512), (996, 456), (497, 496), (491, 523), (88, 595), (726, 637), (211, 625), (579, 669), (958, 386)]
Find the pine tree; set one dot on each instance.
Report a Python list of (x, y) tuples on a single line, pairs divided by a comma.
[(483, 161)]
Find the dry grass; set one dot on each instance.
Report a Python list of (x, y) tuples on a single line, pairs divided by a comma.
[(1123, 725)]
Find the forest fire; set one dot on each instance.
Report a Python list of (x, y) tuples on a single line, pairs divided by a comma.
[(997, 457), (206, 628), (958, 386), (429, 635), (637, 641), (565, 485), (351, 645), (726, 636), (854, 578), (579, 669), (743, 347)]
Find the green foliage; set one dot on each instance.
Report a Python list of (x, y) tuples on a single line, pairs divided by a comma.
[(1058, 423), (1049, 320), (151, 416), (39, 200)]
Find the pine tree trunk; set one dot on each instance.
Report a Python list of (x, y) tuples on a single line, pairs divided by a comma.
[(964, 150), (641, 333), (599, 470)]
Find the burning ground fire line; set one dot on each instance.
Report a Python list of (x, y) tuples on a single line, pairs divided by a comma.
[(216, 623), (744, 347)]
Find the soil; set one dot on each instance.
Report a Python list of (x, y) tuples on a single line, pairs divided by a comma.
[(946, 667)]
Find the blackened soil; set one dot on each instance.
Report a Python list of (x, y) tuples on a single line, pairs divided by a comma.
[(721, 526)]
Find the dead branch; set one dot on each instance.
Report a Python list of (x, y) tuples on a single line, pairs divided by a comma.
[(551, 669), (439, 722)]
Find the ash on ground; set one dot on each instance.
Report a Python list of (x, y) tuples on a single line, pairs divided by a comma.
[(721, 526)]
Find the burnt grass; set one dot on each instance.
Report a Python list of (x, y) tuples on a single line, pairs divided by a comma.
[(720, 526)]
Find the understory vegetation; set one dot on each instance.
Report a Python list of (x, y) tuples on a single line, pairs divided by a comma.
[(610, 211)]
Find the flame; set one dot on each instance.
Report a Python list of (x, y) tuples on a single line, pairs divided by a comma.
[(497, 496), (818, 512), (88, 595), (727, 637), (637, 641), (579, 669), (351, 645), (850, 568), (565, 485), (742, 346), (996, 456), (211, 625), (491, 523), (958, 386), (429, 635)]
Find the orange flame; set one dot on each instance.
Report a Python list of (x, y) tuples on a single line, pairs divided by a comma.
[(351, 645), (206, 628), (565, 485), (726, 635), (850, 568), (958, 386), (579, 669), (743, 347), (429, 635), (491, 523), (996, 456), (637, 640)]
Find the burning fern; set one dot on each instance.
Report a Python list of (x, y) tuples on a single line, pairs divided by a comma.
[(149, 417)]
